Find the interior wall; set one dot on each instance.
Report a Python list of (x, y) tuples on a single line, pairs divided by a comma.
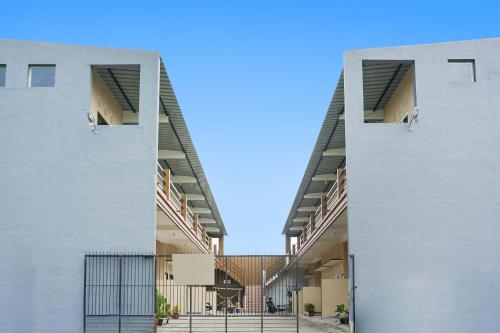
[(402, 100), (333, 292), (312, 295), (104, 103)]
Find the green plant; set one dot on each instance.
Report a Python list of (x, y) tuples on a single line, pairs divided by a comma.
[(176, 310), (162, 308), (342, 314), (309, 307)]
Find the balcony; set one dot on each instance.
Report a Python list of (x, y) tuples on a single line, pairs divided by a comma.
[(168, 197), (331, 205)]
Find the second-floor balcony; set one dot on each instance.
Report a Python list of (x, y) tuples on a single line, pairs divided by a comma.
[(331, 205), (168, 195)]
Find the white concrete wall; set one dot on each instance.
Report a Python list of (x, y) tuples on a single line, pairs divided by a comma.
[(64, 190), (424, 207)]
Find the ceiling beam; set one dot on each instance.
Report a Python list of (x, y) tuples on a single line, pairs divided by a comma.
[(342, 116), (201, 210), (212, 229), (300, 219), (207, 221), (183, 180), (324, 177), (163, 119), (195, 197), (316, 195), (334, 152), (296, 229), (307, 209), (377, 115), (166, 154)]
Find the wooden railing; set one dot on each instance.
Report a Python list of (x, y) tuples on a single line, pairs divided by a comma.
[(328, 202), (180, 204)]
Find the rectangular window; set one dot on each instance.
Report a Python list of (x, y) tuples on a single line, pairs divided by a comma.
[(3, 70), (461, 70), (389, 93), (42, 76)]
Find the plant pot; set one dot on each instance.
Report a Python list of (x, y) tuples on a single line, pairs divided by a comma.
[(344, 321), (165, 320), (159, 321), (175, 316), (311, 313)]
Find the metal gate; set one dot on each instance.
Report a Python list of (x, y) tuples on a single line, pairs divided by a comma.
[(250, 294)]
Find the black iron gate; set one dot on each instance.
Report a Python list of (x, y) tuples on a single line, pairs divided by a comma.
[(124, 293)]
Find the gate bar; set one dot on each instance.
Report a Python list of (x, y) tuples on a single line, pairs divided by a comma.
[(190, 308), (263, 291), (120, 297)]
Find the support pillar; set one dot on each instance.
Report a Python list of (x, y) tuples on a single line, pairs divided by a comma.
[(195, 223), (166, 182), (221, 245), (323, 207), (184, 206)]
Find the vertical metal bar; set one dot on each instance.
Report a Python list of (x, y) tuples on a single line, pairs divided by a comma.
[(262, 294), (297, 292), (85, 294), (190, 309), (155, 259), (225, 294), (120, 296), (353, 296)]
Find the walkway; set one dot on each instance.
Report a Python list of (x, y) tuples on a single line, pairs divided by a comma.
[(252, 324), (316, 324)]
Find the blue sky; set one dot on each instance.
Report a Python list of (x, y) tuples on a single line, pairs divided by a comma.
[(253, 78)]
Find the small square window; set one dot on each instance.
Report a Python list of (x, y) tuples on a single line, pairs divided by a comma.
[(42, 75), (461, 70), (3, 70)]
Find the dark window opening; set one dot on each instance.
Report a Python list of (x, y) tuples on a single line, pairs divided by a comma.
[(462, 70), (3, 70), (115, 94), (389, 93)]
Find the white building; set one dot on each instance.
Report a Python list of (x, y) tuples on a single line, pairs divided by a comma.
[(95, 156), (410, 226)]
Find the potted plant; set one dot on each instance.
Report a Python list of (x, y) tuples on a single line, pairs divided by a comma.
[(160, 308), (342, 314), (166, 313), (309, 308), (175, 312)]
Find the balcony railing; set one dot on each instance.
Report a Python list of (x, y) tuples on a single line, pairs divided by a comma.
[(328, 203), (180, 204)]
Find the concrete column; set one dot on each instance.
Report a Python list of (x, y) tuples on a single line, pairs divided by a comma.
[(287, 244)]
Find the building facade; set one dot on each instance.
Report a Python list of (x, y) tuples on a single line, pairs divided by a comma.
[(416, 130), (95, 158)]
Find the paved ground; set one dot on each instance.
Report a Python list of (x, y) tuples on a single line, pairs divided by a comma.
[(252, 324), (316, 324)]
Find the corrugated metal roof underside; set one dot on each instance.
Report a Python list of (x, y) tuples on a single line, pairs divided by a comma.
[(380, 79), (332, 135), (174, 135), (123, 82)]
